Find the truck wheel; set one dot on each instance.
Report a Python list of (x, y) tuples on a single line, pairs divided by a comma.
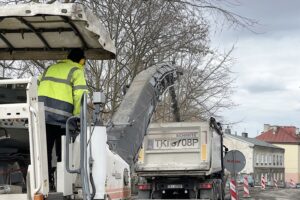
[(156, 195), (214, 192), (143, 194), (192, 194), (221, 192), (218, 188), (213, 195)]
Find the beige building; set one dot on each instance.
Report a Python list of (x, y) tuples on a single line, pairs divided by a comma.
[(288, 138), (262, 158)]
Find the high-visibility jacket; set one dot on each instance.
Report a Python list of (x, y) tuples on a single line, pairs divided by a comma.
[(61, 87)]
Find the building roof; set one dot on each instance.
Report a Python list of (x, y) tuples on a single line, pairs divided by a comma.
[(253, 141), (280, 134)]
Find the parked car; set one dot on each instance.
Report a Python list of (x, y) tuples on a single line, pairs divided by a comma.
[(298, 185)]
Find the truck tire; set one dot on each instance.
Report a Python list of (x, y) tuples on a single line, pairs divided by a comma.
[(192, 194), (215, 191), (144, 194), (221, 192), (156, 195), (213, 194)]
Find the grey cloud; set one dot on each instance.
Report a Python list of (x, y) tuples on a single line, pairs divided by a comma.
[(275, 18), (264, 86)]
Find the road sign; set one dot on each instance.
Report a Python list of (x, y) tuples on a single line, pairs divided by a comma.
[(234, 161)]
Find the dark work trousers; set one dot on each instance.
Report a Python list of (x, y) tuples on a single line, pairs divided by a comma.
[(53, 133)]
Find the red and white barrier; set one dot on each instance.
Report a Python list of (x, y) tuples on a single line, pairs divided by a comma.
[(246, 187), (233, 193), (263, 183), (292, 183), (275, 183)]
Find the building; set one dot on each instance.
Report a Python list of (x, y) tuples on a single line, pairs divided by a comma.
[(286, 137), (262, 158)]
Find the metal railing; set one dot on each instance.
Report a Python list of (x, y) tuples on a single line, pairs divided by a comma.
[(83, 166)]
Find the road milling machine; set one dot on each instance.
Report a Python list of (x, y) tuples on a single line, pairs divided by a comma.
[(96, 162)]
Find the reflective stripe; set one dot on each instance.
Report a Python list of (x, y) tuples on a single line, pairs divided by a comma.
[(57, 104), (56, 111), (71, 73), (44, 74), (59, 80), (56, 80), (80, 87)]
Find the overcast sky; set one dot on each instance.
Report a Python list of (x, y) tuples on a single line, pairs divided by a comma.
[(267, 65)]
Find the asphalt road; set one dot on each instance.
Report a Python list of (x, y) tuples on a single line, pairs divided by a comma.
[(275, 194), (269, 194)]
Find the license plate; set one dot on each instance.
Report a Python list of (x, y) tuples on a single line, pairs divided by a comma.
[(175, 186), (182, 143)]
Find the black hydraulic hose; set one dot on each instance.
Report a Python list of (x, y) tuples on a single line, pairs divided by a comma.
[(174, 105), (93, 186), (91, 168), (222, 165), (222, 154)]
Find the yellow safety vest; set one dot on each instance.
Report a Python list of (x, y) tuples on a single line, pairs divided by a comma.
[(61, 87)]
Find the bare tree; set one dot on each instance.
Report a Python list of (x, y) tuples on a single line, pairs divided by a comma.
[(148, 32), (204, 89)]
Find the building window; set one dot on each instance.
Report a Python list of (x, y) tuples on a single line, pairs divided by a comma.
[(262, 159), (280, 160), (266, 159), (277, 160), (270, 159), (274, 160), (257, 159)]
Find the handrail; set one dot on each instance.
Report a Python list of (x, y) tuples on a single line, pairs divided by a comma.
[(38, 186), (68, 139), (83, 147), (15, 81), (83, 168)]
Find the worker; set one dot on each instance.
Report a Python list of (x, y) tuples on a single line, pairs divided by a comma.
[(61, 87)]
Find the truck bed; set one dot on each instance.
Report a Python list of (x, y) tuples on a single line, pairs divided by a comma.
[(185, 148)]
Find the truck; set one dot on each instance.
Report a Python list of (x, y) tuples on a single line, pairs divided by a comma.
[(182, 160), (97, 159)]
